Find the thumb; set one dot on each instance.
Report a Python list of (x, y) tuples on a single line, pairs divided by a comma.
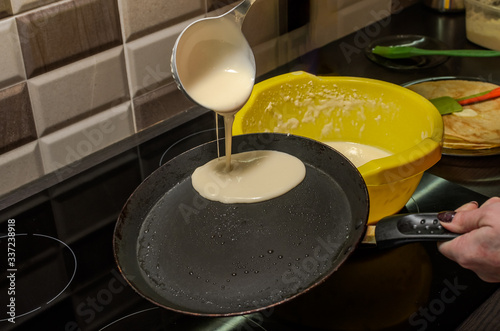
[(464, 219)]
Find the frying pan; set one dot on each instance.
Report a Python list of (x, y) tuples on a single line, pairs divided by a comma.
[(195, 256)]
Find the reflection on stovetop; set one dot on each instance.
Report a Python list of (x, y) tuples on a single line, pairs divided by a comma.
[(66, 277)]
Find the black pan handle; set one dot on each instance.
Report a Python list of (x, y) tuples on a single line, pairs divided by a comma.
[(407, 228)]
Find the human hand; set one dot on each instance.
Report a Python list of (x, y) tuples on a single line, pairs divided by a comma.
[(478, 248)]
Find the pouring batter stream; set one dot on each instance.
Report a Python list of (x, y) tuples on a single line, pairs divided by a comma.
[(218, 72)]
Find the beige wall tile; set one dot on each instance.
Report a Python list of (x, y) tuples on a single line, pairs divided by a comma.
[(142, 17), (19, 6), (11, 63), (266, 56), (20, 166), (71, 144), (262, 22), (159, 105), (148, 59), (79, 90)]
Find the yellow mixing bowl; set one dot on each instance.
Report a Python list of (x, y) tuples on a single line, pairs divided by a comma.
[(358, 110)]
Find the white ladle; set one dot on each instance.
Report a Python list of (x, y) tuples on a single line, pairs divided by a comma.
[(213, 63)]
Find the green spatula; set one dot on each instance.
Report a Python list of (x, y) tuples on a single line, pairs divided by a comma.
[(448, 105), (401, 52)]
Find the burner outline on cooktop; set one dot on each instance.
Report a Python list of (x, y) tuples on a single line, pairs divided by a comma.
[(65, 287), (129, 315)]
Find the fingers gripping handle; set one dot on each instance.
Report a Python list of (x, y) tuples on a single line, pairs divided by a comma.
[(407, 228)]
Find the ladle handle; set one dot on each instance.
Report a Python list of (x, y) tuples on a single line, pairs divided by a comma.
[(407, 228), (239, 12)]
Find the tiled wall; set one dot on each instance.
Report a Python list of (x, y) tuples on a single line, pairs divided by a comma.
[(77, 76)]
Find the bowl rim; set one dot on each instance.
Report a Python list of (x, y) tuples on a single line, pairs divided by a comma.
[(393, 168)]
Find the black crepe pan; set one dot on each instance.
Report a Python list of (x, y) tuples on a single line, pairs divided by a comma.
[(200, 257)]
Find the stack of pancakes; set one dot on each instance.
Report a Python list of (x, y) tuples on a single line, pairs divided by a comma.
[(477, 126)]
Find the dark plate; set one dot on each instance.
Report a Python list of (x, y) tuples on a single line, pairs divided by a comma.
[(460, 152), (412, 63)]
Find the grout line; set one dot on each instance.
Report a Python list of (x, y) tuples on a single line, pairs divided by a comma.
[(127, 62)]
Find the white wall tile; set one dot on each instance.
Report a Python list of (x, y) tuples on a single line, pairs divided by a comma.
[(71, 144), (78, 90), (11, 60), (20, 166)]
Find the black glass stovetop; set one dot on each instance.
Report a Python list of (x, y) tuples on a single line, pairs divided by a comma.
[(64, 276)]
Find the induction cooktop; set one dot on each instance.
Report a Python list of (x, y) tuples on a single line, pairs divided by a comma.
[(61, 274)]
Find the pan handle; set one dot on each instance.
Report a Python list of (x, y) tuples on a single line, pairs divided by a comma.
[(402, 229)]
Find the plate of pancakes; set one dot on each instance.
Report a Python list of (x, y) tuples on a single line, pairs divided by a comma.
[(474, 131)]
